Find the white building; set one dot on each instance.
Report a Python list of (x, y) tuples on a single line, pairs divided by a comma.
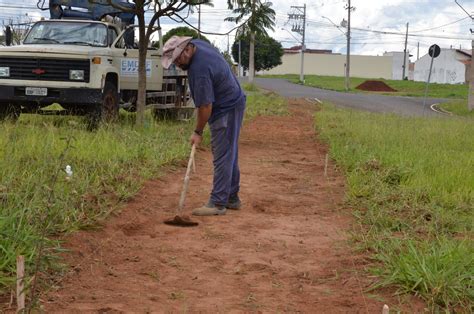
[(450, 67), (397, 64)]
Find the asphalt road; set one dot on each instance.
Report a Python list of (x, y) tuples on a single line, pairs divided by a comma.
[(408, 106)]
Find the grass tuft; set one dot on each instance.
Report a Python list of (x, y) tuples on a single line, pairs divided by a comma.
[(457, 107), (250, 87), (441, 272)]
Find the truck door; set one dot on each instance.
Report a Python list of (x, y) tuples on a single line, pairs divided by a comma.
[(125, 52)]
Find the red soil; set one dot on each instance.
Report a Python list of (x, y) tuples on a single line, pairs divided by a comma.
[(375, 86)]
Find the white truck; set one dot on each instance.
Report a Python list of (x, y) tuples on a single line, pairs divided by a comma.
[(86, 61)]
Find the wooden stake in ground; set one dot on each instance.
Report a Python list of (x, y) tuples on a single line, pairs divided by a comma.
[(20, 283), (326, 165)]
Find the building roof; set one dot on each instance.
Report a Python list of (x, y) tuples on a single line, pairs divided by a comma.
[(297, 49), (465, 52)]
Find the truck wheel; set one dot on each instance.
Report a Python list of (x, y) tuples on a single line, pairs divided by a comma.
[(108, 110), (9, 112)]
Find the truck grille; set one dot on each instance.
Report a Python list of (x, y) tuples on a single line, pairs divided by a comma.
[(45, 69)]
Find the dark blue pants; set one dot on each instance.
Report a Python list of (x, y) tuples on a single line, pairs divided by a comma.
[(225, 151)]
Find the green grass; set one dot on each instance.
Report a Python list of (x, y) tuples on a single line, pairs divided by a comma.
[(248, 87), (263, 102), (404, 88), (109, 166), (458, 107), (410, 182)]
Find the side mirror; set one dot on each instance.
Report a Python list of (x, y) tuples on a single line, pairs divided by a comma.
[(8, 36)]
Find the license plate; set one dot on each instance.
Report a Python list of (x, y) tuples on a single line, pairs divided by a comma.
[(36, 91)]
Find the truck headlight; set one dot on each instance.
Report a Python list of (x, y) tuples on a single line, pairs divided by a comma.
[(76, 75), (4, 71)]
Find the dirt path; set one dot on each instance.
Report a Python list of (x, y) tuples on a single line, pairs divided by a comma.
[(285, 251)]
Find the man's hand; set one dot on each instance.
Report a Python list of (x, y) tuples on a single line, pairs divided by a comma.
[(195, 139), (203, 114)]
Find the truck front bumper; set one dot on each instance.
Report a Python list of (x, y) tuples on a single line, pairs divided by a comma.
[(16, 95)]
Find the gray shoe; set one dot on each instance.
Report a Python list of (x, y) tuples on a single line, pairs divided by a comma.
[(209, 210), (234, 203)]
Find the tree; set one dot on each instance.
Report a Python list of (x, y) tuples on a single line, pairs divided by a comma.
[(183, 31), (261, 17), (227, 58), (268, 52), (162, 8), (19, 28)]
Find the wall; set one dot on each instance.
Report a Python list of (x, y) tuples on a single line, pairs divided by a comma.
[(397, 64), (333, 65), (447, 68), (468, 73)]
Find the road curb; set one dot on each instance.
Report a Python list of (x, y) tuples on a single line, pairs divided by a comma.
[(436, 108)]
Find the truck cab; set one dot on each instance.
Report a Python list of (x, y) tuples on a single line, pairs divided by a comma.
[(89, 67)]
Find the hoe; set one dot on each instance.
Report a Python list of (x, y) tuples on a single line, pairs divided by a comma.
[(183, 220)]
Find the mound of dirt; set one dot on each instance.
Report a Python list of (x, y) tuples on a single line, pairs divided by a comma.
[(375, 86)]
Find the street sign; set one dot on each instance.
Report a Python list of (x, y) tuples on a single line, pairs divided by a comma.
[(434, 51)]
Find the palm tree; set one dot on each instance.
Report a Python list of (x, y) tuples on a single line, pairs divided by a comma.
[(261, 17)]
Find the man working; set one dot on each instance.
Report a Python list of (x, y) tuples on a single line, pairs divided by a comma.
[(220, 102)]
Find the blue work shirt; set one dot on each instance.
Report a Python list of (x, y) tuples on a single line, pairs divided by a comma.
[(211, 81)]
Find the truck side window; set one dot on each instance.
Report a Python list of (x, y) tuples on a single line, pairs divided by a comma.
[(111, 36), (129, 37)]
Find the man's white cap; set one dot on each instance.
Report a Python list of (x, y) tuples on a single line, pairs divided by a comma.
[(173, 48)]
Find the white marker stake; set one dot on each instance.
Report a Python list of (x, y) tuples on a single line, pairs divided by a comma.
[(20, 282)]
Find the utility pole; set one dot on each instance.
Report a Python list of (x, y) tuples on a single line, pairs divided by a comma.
[(349, 9), (299, 26), (240, 58), (199, 22), (303, 47), (405, 55), (470, 101), (418, 52)]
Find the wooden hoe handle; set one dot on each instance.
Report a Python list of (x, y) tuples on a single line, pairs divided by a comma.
[(186, 179)]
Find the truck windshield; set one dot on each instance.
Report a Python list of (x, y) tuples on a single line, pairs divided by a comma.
[(69, 33)]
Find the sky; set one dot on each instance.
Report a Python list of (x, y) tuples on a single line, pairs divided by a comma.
[(377, 26)]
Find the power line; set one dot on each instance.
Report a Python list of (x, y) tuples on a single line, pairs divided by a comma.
[(207, 33), (441, 26), (215, 13)]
